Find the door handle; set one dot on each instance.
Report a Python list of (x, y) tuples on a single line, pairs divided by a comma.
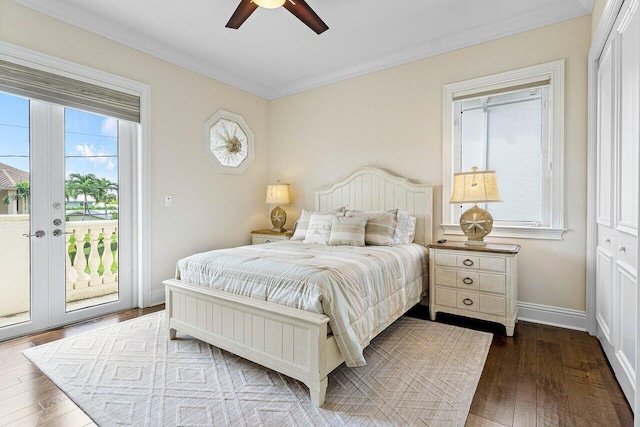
[(38, 234), (57, 232)]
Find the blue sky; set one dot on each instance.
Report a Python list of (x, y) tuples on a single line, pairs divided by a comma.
[(91, 144)]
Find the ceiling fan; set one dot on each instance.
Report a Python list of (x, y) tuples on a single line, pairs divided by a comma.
[(299, 8)]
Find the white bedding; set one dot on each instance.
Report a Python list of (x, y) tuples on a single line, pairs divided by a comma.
[(361, 289)]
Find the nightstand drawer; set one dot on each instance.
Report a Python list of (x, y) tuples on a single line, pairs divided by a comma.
[(470, 280), (257, 240), (267, 236), (482, 303)]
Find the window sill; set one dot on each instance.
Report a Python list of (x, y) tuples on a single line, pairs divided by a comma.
[(543, 233)]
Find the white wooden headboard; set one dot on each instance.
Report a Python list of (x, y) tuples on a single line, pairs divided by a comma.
[(373, 189)]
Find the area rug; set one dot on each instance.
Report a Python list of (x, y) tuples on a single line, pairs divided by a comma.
[(417, 373)]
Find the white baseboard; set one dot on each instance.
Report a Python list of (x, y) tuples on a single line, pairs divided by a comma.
[(554, 316), (157, 296)]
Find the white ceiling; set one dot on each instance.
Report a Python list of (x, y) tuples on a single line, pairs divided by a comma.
[(273, 54)]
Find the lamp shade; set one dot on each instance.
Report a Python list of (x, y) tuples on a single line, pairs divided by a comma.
[(269, 4), (277, 194), (475, 187)]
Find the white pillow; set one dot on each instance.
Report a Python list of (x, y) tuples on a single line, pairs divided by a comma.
[(303, 222), (406, 229), (319, 229)]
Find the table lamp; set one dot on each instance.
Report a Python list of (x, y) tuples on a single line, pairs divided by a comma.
[(278, 194), (475, 187)]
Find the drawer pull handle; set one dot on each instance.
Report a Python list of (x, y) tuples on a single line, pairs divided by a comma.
[(267, 241), (467, 262), (467, 301), (467, 280)]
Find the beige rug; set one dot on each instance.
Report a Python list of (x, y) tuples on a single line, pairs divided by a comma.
[(129, 374)]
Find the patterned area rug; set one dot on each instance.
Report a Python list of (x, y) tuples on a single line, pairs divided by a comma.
[(129, 374)]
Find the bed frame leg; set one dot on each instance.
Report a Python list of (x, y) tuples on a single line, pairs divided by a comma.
[(317, 396), (172, 334)]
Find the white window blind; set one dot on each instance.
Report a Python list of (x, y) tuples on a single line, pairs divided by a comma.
[(32, 83)]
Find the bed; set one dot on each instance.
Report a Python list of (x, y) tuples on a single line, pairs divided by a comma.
[(294, 341)]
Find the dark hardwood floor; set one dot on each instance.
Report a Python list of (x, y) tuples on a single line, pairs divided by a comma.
[(542, 376)]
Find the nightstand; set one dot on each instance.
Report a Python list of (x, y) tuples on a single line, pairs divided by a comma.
[(474, 281), (267, 236)]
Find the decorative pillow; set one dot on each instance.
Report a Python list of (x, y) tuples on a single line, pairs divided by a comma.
[(319, 229), (406, 229), (300, 231), (347, 231), (381, 226)]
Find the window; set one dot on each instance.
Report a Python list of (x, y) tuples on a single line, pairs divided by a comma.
[(510, 123)]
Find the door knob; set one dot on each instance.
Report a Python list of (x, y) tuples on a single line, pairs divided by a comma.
[(37, 234), (622, 249), (57, 232)]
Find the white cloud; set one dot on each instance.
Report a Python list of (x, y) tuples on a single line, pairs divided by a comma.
[(96, 156), (109, 126)]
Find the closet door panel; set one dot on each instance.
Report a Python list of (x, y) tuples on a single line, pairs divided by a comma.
[(606, 127), (604, 293), (626, 319), (629, 89)]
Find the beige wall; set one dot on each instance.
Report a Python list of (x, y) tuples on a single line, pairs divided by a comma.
[(210, 210), (390, 119), (393, 119)]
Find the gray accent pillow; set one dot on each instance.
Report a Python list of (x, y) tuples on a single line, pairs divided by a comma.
[(380, 228), (347, 231)]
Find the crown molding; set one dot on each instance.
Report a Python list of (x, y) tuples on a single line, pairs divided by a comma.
[(63, 11), (473, 36)]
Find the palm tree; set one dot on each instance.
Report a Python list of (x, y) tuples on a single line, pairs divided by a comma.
[(82, 184), (22, 192), (103, 192)]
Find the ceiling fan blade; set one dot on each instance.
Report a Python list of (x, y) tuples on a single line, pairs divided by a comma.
[(303, 12), (243, 11)]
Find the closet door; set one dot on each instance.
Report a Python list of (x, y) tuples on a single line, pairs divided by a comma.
[(626, 219), (605, 259), (617, 195)]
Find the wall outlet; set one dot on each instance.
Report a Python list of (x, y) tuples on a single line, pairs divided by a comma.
[(168, 200)]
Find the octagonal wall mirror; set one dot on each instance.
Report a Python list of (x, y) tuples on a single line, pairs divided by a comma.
[(228, 142)]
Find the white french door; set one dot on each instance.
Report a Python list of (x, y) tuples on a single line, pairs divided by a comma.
[(66, 209)]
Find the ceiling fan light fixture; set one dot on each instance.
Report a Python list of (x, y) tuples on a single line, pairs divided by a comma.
[(269, 4)]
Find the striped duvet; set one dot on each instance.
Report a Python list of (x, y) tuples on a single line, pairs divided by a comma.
[(361, 289)]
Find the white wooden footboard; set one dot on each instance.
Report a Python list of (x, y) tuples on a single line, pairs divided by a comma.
[(290, 341)]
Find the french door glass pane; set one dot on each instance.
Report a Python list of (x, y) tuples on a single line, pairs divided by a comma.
[(91, 192), (15, 251)]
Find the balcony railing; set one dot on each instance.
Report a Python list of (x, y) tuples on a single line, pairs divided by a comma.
[(91, 253)]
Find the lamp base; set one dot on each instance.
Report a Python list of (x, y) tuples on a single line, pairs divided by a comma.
[(476, 223), (475, 242), (278, 219)]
